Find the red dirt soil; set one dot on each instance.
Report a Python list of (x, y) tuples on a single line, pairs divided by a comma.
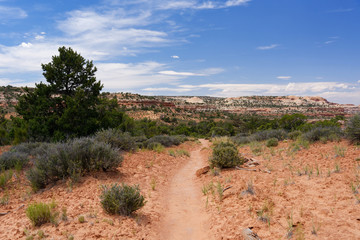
[(302, 186), (146, 168), (321, 204)]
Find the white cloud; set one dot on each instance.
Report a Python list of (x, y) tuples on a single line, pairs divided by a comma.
[(272, 46), (284, 77), (193, 4), (39, 37), (231, 3), (8, 13), (205, 72), (100, 34), (119, 76), (232, 90), (175, 57), (329, 42), (173, 73), (165, 89), (358, 81)]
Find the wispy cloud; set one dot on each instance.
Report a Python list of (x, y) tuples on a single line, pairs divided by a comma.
[(272, 46), (304, 88), (103, 33), (173, 73), (165, 89), (341, 10), (120, 76), (194, 4), (9, 13), (284, 77), (206, 72), (175, 57)]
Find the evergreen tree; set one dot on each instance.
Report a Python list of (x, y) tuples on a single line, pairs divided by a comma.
[(65, 106)]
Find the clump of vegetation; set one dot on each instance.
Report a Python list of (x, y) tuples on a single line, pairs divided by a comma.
[(5, 177), (353, 129), (81, 219), (121, 199), (256, 148), (272, 142), (72, 159), (157, 147), (28, 148), (40, 213), (12, 159), (164, 140), (279, 134), (294, 134), (323, 134), (117, 139), (225, 155)]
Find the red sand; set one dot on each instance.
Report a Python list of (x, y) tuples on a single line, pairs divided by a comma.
[(320, 202)]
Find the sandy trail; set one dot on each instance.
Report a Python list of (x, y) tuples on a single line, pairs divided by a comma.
[(185, 217)]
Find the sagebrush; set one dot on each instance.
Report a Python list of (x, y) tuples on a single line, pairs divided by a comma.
[(121, 199)]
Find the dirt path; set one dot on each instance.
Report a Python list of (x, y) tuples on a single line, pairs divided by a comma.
[(185, 217)]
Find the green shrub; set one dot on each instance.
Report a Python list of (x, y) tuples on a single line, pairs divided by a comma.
[(225, 155), (39, 213), (72, 159), (165, 140), (5, 177), (9, 160), (122, 199), (241, 139), (280, 134), (272, 142), (294, 134), (81, 219), (27, 148), (182, 152), (353, 129), (117, 139), (256, 148), (323, 133)]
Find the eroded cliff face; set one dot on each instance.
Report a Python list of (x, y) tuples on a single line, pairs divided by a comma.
[(153, 107), (312, 106)]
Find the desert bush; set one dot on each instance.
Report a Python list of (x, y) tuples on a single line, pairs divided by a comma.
[(225, 155), (256, 148), (353, 129), (72, 159), (157, 147), (117, 139), (12, 159), (28, 148), (182, 152), (5, 177), (121, 199), (272, 142), (241, 139), (165, 140), (322, 133), (280, 134), (40, 213), (294, 134)]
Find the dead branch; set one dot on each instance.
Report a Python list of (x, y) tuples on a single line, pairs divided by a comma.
[(227, 188), (246, 169)]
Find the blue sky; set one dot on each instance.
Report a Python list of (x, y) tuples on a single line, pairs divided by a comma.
[(223, 48)]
